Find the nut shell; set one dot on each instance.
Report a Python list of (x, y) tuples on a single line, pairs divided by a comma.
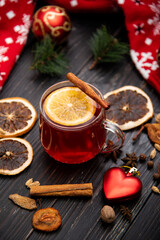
[(150, 164), (108, 214)]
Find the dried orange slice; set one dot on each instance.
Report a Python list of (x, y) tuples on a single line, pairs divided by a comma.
[(130, 107), (15, 155), (17, 116), (46, 219), (69, 106)]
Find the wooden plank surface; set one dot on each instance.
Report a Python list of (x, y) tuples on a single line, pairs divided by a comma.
[(80, 216)]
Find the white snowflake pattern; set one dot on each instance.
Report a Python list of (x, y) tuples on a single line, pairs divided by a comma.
[(3, 50), (1, 76), (23, 29), (14, 1), (138, 2), (144, 62), (121, 1), (155, 20), (2, 3), (139, 28)]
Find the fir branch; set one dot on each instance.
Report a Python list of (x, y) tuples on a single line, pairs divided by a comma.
[(48, 58), (106, 48)]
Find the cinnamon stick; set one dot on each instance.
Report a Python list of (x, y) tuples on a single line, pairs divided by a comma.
[(85, 189), (87, 89)]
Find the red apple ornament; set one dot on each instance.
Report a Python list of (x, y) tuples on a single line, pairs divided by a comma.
[(119, 186), (52, 21)]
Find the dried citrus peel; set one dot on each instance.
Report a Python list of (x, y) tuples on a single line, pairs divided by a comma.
[(129, 107), (17, 116), (16, 154)]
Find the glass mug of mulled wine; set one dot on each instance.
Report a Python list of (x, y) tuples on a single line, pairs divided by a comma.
[(73, 128)]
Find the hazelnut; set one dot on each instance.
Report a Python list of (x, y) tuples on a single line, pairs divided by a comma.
[(108, 214), (150, 164), (156, 176)]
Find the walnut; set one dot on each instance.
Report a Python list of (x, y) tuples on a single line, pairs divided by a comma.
[(46, 219), (108, 214)]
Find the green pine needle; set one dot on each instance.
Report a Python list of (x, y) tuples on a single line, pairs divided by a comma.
[(49, 59), (106, 48)]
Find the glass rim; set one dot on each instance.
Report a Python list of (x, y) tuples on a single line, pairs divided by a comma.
[(59, 126)]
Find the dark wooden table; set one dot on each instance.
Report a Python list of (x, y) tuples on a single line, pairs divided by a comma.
[(80, 216)]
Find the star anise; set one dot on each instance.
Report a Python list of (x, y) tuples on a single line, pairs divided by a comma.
[(130, 159), (114, 154), (126, 212)]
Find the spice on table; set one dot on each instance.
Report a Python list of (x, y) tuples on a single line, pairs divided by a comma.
[(157, 146), (155, 189), (150, 164), (153, 130), (85, 189), (153, 154), (126, 212), (24, 202), (29, 183), (130, 159), (46, 219), (114, 154), (142, 157), (156, 176), (157, 118), (108, 214)]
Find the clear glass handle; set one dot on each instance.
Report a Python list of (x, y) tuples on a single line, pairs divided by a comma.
[(114, 134)]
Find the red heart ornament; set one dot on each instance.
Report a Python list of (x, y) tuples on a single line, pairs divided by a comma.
[(118, 186)]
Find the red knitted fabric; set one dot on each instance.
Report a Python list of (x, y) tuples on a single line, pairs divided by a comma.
[(142, 18), (15, 19)]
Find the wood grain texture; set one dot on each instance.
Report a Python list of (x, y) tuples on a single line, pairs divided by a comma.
[(80, 216)]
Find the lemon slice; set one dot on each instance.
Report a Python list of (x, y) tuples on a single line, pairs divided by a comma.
[(69, 106)]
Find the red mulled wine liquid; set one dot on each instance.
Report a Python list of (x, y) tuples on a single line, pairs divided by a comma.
[(73, 144)]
